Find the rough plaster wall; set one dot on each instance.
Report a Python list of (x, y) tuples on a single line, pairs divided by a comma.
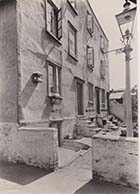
[(117, 110), (32, 146), (8, 62), (115, 159), (36, 46)]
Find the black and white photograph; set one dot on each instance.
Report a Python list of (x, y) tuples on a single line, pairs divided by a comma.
[(69, 97)]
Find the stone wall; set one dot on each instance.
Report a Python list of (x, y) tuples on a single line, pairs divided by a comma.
[(32, 146), (115, 159)]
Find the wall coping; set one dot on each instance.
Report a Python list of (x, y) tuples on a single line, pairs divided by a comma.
[(113, 137), (40, 129)]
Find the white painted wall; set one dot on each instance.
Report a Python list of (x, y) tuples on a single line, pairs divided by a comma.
[(32, 146), (115, 159)]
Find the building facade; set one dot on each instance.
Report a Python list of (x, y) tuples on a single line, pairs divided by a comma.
[(54, 67)]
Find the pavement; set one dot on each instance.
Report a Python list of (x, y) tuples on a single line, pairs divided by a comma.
[(74, 177)]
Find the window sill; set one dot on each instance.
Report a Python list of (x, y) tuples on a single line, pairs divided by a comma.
[(91, 68), (91, 33), (91, 102), (74, 10), (102, 49), (103, 109), (55, 38), (75, 58), (55, 97)]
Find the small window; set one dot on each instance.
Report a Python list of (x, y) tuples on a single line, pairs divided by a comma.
[(72, 41), (54, 79), (90, 26), (90, 93), (102, 43), (90, 57), (103, 98), (54, 19), (102, 69)]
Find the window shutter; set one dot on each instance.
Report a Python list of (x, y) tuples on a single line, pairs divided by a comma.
[(59, 24)]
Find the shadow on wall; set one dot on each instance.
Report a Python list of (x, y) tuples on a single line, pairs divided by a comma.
[(102, 187), (27, 92), (47, 110), (20, 173)]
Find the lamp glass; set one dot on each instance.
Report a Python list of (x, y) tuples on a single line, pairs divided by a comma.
[(125, 20)]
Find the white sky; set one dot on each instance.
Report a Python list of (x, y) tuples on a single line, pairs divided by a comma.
[(105, 12)]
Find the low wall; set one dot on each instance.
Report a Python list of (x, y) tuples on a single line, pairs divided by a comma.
[(32, 146), (115, 159)]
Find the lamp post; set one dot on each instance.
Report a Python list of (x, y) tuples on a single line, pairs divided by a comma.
[(125, 21)]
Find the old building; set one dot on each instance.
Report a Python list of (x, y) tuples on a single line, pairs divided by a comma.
[(54, 69), (65, 43)]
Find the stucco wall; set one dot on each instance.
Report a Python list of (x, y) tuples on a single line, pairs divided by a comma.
[(115, 159), (117, 110), (36, 47), (32, 146), (8, 62)]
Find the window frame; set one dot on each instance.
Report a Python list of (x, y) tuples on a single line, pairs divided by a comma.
[(90, 30), (55, 68), (71, 27), (92, 65), (58, 20), (90, 93), (102, 69)]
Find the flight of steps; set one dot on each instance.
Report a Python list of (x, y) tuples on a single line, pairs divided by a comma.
[(85, 128)]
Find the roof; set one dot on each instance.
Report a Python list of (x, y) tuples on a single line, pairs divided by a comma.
[(116, 95)]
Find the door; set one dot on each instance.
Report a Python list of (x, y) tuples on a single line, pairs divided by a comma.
[(97, 100), (80, 98)]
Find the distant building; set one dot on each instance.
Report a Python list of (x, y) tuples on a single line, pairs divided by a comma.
[(54, 69), (117, 103)]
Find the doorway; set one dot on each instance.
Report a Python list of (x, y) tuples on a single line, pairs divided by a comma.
[(97, 100), (80, 109)]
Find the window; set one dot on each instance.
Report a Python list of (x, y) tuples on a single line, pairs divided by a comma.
[(54, 19), (72, 41), (90, 26), (102, 69), (90, 57), (102, 43), (72, 3), (90, 93), (103, 98), (54, 79)]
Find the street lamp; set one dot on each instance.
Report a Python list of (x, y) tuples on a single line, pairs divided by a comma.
[(125, 21)]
